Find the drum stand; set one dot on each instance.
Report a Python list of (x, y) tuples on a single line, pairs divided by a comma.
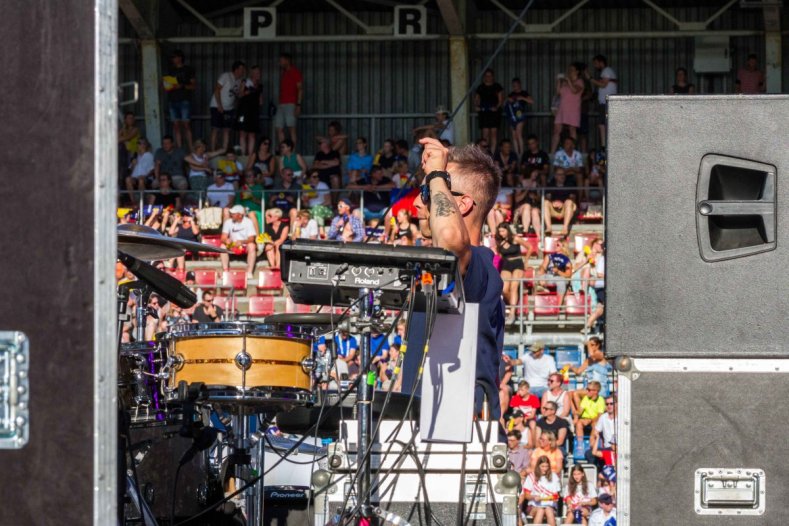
[(246, 466), (364, 399)]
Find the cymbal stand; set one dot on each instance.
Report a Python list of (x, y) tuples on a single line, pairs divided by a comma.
[(245, 468)]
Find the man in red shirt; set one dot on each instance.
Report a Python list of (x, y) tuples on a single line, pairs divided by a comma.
[(291, 92), (750, 79)]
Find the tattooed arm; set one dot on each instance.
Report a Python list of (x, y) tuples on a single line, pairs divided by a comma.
[(446, 220)]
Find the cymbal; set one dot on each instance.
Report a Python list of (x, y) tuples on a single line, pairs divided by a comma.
[(146, 243)]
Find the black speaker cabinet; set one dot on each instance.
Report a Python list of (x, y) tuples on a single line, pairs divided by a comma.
[(697, 219), (57, 229)]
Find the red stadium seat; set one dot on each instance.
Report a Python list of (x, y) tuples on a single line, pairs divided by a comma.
[(575, 304), (528, 276), (215, 240), (549, 244), (583, 240), (179, 274), (225, 302), (524, 311), (533, 242), (269, 279), (260, 305), (205, 278), (292, 307), (546, 305), (236, 279)]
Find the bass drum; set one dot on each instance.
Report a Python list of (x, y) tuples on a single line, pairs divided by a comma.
[(241, 363)]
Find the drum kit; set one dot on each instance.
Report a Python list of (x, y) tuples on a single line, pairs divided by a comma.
[(218, 384)]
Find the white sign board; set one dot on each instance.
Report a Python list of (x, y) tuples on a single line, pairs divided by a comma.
[(410, 21), (260, 23)]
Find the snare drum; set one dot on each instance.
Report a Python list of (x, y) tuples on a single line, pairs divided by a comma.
[(242, 363)]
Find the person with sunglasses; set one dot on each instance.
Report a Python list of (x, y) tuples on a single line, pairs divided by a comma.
[(457, 193)]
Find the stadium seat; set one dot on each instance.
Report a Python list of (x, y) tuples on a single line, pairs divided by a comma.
[(575, 304), (578, 453), (269, 279), (566, 355), (549, 244), (583, 240), (214, 241), (533, 242), (205, 278), (225, 302), (546, 305), (179, 274), (293, 307), (236, 279), (260, 305), (528, 277), (525, 303)]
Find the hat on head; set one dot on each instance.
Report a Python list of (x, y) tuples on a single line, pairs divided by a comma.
[(397, 341), (322, 340), (537, 346), (238, 209), (517, 413), (441, 109), (190, 275), (605, 498), (346, 200), (609, 473)]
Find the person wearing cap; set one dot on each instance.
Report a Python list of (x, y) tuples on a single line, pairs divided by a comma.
[(345, 226), (605, 515), (537, 367), (518, 423), (443, 127), (238, 235), (179, 97)]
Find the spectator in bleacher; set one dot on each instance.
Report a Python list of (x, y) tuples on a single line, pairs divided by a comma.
[(580, 495), (535, 164), (328, 164), (750, 79), (605, 515), (170, 159), (231, 167), (508, 247), (238, 236), (164, 202), (402, 231), (250, 196), (488, 101), (249, 110), (603, 437), (591, 406), (524, 400), (261, 163), (559, 204), (376, 193), (595, 368), (525, 427), (442, 128), (291, 95), (570, 89), (541, 489), (597, 171), (526, 202), (606, 85), (206, 311), (507, 161), (289, 159), (501, 211), (142, 166), (185, 227), (344, 221), (318, 198), (386, 370), (284, 195), (681, 85), (379, 349), (515, 110), (586, 102), (546, 446), (128, 135), (346, 347), (518, 456), (336, 137), (597, 272), (199, 166), (549, 421), (275, 234), (387, 157), (223, 103), (359, 162), (557, 395), (505, 377), (179, 97), (572, 161), (305, 227), (606, 482), (221, 194), (537, 367)]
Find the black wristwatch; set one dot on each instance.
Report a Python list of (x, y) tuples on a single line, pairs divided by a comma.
[(436, 173)]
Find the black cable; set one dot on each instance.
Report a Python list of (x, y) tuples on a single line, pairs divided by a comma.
[(283, 457)]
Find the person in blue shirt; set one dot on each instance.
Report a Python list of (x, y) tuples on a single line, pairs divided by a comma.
[(556, 268), (345, 226), (346, 347), (359, 162), (459, 190), (379, 349)]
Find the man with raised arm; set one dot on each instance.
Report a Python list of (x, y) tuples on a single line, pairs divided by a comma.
[(459, 189)]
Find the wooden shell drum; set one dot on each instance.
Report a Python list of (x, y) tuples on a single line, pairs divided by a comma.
[(241, 363)]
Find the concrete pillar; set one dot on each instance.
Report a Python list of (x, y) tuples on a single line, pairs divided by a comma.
[(459, 84), (151, 92), (772, 62)]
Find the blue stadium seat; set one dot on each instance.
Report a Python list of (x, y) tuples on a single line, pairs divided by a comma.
[(569, 355)]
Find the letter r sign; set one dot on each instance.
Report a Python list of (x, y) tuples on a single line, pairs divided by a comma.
[(260, 23), (410, 20)]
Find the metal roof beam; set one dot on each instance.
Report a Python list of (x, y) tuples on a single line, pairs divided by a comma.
[(568, 13), (451, 17), (136, 19), (662, 12), (719, 12), (239, 6), (509, 13)]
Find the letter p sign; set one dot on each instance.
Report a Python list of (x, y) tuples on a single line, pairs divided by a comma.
[(260, 23), (410, 20)]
